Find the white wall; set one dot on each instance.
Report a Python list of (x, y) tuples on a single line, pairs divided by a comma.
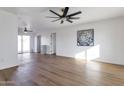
[(46, 40), (32, 45), (8, 40), (109, 45)]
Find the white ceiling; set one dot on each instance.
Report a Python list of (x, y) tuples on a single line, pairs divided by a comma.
[(36, 16)]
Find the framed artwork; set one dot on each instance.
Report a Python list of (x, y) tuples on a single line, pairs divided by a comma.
[(85, 37)]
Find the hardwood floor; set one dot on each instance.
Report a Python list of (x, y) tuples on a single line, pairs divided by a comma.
[(52, 70)]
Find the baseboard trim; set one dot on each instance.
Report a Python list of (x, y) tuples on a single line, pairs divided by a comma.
[(7, 67), (96, 60)]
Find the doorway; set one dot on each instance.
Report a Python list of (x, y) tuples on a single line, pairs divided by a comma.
[(23, 44), (53, 43), (38, 44)]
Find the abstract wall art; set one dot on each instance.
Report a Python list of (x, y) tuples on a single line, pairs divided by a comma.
[(85, 37)]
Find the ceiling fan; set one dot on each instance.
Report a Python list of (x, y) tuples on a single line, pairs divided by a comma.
[(26, 30), (65, 16)]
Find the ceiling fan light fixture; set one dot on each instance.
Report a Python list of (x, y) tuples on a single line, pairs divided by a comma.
[(26, 30), (65, 16)]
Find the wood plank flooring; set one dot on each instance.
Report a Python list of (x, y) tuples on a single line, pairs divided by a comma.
[(51, 70)]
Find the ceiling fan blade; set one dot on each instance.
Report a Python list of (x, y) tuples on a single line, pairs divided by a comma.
[(69, 21), (62, 21), (55, 13), (65, 11), (28, 31), (51, 17), (56, 20), (79, 12), (74, 17)]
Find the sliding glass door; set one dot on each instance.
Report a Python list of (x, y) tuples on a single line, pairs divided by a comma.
[(23, 44), (26, 43)]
